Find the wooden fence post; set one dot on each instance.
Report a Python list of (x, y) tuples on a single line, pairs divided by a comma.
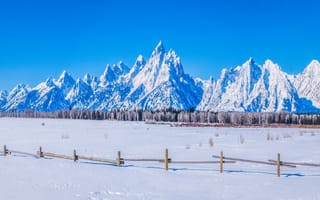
[(221, 162), (75, 157), (40, 152), (5, 151), (166, 160), (278, 165), (119, 159)]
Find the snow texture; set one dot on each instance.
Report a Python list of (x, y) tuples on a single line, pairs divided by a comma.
[(308, 83), (24, 177)]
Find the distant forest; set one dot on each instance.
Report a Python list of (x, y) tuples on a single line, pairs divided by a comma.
[(170, 115)]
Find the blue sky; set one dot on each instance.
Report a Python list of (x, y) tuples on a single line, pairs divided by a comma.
[(40, 38)]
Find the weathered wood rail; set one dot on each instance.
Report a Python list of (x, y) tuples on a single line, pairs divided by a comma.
[(257, 162), (54, 155), (23, 153), (297, 163), (143, 159), (97, 159)]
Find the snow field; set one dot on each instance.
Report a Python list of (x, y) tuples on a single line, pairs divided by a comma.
[(25, 177)]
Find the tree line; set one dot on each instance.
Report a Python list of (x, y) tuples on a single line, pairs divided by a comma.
[(182, 116)]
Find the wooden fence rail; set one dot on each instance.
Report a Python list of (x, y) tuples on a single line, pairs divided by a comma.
[(257, 162), (98, 159), (23, 153), (175, 161), (297, 163), (76, 157), (54, 155), (200, 162), (143, 159)]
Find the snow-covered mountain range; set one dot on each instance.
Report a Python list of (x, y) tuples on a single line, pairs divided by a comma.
[(160, 82)]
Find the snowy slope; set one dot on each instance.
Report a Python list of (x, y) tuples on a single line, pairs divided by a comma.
[(308, 83), (16, 98), (47, 96), (255, 88), (281, 94), (148, 75), (65, 82), (208, 87), (160, 82), (111, 88), (24, 177), (112, 73), (3, 98), (137, 67), (91, 80), (275, 92), (80, 95)]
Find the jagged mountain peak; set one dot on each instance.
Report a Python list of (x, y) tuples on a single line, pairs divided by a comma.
[(137, 67), (254, 88), (161, 77), (19, 90), (313, 68), (108, 75), (159, 49), (87, 78), (159, 68), (113, 72), (270, 65), (251, 67), (211, 79), (121, 67), (78, 85), (173, 55), (80, 81), (140, 59), (247, 65), (80, 94), (65, 81), (93, 81), (314, 62), (308, 83), (251, 60), (160, 46), (173, 66), (64, 75), (3, 93), (250, 64), (49, 82), (21, 86), (15, 99)]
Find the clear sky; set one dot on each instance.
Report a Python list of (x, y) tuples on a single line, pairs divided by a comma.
[(41, 38)]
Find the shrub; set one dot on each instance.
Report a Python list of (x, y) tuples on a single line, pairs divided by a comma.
[(211, 142)]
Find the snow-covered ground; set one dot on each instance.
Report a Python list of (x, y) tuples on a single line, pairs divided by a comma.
[(24, 177)]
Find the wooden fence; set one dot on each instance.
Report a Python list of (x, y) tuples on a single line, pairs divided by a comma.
[(119, 161)]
